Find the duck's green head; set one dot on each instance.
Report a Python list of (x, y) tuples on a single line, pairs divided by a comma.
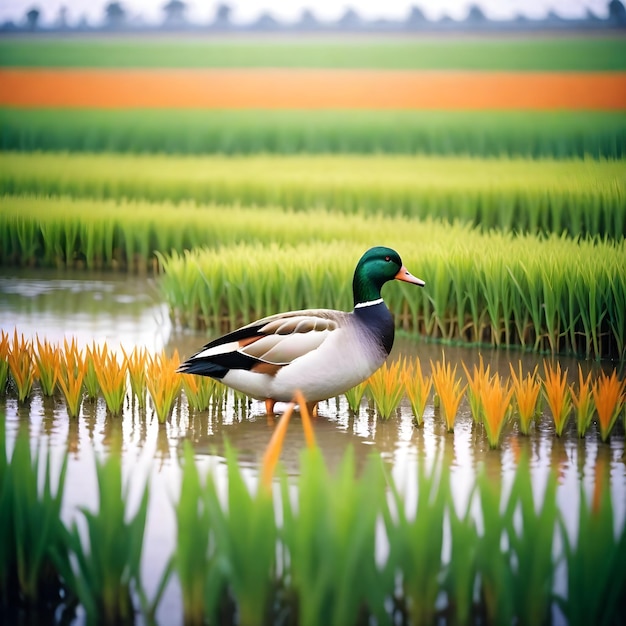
[(377, 266)]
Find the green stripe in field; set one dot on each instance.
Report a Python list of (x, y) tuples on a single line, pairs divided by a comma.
[(495, 53), (537, 134), (576, 196)]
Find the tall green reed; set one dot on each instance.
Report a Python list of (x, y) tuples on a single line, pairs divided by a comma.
[(416, 539), (193, 555), (329, 537), (596, 578), (532, 537), (242, 526), (106, 573), (33, 540)]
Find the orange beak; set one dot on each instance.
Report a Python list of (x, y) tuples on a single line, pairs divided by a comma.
[(407, 277)]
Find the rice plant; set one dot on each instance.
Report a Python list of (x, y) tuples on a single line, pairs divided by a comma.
[(136, 365), (462, 568), (192, 558), (47, 360), (329, 536), (106, 570), (274, 447), (531, 545), (33, 539), (72, 372), (595, 576), (417, 387), (386, 386), (526, 391), (355, 395), (492, 559), (309, 552), (95, 358), (244, 525), (609, 398), (112, 380), (476, 381), (22, 366), (495, 401), (198, 391), (448, 389), (582, 399), (557, 395), (163, 383), (416, 542)]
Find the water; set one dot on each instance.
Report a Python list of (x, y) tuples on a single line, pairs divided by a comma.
[(127, 311)]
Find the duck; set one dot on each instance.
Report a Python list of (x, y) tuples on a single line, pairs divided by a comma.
[(312, 354)]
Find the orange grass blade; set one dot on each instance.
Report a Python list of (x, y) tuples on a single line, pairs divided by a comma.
[(449, 390), (72, 386), (47, 358), (475, 382), (112, 379), (274, 448), (307, 426), (22, 365), (557, 395), (387, 388), (417, 388), (164, 383), (526, 391), (495, 400), (583, 402), (136, 366), (608, 395), (94, 360)]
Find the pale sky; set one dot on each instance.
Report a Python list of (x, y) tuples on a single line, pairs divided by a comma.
[(289, 10)]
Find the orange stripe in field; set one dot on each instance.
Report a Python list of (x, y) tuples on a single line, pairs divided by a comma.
[(311, 89)]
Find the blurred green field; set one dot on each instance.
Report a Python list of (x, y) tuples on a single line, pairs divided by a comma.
[(479, 133), (537, 52), (576, 196)]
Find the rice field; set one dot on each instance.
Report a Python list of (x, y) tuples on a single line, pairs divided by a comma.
[(576, 196), (562, 134), (543, 53), (535, 260), (132, 494), (84, 375)]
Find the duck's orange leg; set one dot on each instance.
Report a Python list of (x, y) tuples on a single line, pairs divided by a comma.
[(269, 406)]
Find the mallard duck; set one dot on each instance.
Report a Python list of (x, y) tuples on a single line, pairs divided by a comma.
[(320, 352)]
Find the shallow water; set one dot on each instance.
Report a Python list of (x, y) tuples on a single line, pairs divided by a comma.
[(127, 311)]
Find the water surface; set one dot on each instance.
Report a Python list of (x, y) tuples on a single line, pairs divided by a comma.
[(128, 311)]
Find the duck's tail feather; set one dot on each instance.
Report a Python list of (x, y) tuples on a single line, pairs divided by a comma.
[(203, 367)]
